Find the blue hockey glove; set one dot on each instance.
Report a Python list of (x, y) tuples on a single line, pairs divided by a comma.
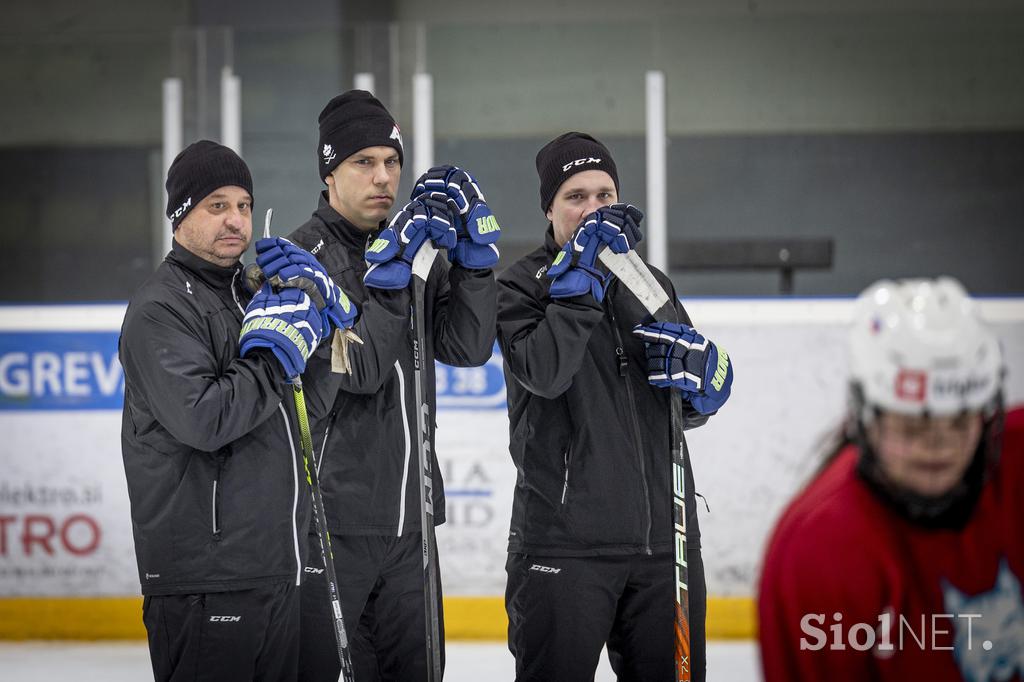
[(619, 226), (286, 322), (390, 255), (475, 225), (679, 357), (575, 269), (286, 265)]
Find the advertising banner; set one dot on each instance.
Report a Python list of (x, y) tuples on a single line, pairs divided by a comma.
[(65, 525)]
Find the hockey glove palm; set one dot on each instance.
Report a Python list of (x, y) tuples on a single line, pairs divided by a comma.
[(679, 357), (475, 225), (286, 322), (391, 254), (286, 265)]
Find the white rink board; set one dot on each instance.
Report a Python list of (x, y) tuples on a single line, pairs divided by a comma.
[(64, 520)]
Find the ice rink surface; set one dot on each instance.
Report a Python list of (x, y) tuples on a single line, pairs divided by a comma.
[(467, 662)]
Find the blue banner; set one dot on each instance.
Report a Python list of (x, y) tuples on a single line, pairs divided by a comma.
[(80, 371), (60, 371), (471, 387)]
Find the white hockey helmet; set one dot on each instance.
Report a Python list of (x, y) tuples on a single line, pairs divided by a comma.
[(919, 347)]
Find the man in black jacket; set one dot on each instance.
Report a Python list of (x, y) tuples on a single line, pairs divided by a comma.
[(591, 538), (211, 455), (369, 469)]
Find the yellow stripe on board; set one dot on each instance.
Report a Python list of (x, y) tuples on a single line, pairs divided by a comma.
[(481, 618), (465, 618), (732, 618), (72, 618)]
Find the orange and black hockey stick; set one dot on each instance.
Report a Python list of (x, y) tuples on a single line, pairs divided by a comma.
[(637, 277)]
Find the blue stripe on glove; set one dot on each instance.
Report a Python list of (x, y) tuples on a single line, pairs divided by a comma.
[(391, 254), (475, 224), (619, 226), (286, 322), (679, 357)]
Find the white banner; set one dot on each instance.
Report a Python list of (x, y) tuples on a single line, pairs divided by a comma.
[(65, 526)]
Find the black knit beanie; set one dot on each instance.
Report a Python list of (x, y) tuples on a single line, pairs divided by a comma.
[(352, 121), (567, 155), (197, 171)]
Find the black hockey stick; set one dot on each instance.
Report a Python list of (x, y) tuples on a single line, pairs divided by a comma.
[(637, 277), (313, 479), (421, 265)]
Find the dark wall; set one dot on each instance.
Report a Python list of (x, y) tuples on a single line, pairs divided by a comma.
[(895, 205), (767, 112), (77, 223)]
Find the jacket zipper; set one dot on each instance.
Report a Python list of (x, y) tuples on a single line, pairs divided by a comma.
[(215, 499), (295, 493), (565, 486), (213, 512), (295, 464), (327, 432), (623, 362), (408, 448)]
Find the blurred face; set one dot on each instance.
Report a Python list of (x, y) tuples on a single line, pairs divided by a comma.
[(926, 455), (579, 196), (362, 188), (219, 229)]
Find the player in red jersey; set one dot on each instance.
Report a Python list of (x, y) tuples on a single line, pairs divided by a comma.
[(903, 558)]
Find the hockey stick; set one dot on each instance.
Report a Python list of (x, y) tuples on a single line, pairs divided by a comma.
[(421, 265), (319, 515), (637, 277)]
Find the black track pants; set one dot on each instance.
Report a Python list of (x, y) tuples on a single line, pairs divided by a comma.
[(242, 636), (563, 610), (381, 588)]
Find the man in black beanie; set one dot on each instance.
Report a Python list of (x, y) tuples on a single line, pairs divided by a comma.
[(212, 458), (366, 437), (590, 558)]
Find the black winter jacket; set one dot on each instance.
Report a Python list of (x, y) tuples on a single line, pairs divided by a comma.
[(365, 431), (590, 437), (211, 452)]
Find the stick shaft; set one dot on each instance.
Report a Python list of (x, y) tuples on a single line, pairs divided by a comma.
[(424, 424), (638, 278), (320, 521)]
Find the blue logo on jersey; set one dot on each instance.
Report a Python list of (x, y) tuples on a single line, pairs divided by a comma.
[(996, 653)]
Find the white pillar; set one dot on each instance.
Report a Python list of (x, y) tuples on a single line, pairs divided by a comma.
[(231, 110), (172, 134), (422, 123), (363, 81), (657, 186)]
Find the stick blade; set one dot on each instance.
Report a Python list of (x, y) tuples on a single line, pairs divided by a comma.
[(638, 278)]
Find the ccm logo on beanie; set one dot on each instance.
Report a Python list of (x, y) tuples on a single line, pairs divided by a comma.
[(181, 210), (580, 162)]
